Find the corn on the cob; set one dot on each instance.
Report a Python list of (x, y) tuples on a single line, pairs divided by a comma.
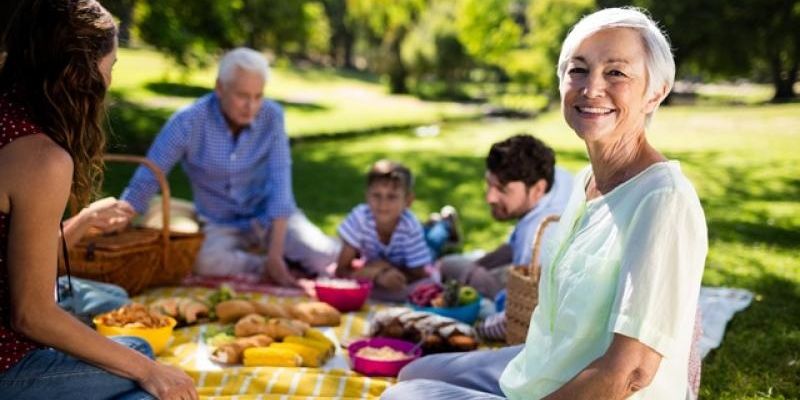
[(325, 348), (312, 357), (318, 335), (271, 357)]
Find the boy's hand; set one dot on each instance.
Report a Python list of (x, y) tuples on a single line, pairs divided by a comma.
[(392, 279)]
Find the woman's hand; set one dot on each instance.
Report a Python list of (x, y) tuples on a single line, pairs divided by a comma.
[(108, 215), (168, 383)]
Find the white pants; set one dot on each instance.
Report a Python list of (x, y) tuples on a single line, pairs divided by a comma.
[(228, 250)]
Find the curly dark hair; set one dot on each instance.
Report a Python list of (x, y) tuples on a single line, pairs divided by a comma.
[(53, 48), (522, 158), (393, 172)]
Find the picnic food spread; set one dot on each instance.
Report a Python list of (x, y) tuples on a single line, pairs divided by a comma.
[(383, 353), (133, 315), (437, 333)]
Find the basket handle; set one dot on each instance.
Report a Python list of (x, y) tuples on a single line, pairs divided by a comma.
[(535, 266), (165, 195)]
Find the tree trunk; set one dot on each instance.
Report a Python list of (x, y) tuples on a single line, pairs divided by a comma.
[(783, 81), (396, 70)]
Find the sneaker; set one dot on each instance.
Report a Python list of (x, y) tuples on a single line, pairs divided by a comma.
[(432, 219), (449, 214)]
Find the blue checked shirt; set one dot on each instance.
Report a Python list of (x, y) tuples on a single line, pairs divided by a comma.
[(233, 181)]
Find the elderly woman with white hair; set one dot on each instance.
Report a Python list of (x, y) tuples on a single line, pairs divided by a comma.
[(621, 279)]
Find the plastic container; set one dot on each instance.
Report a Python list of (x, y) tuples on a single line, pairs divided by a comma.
[(157, 337), (372, 367), (344, 299), (467, 313)]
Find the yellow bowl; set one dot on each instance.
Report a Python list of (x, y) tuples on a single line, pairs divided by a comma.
[(157, 337)]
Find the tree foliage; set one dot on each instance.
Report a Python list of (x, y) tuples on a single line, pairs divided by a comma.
[(432, 50), (487, 30), (388, 21), (191, 34)]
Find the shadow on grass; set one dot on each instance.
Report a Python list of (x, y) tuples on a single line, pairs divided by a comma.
[(729, 191), (134, 126), (192, 91), (317, 74), (761, 347), (300, 105), (177, 89)]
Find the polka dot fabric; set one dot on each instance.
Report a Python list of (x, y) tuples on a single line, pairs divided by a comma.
[(14, 123)]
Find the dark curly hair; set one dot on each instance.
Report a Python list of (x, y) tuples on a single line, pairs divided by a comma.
[(522, 158), (393, 172), (53, 49)]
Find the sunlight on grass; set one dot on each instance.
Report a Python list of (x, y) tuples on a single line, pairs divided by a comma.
[(316, 101), (743, 161)]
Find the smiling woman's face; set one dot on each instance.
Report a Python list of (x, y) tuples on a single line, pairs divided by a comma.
[(603, 90)]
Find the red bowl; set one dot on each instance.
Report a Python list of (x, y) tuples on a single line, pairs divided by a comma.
[(372, 367), (344, 299)]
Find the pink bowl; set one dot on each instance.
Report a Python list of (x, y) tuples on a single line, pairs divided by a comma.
[(381, 368), (344, 300)]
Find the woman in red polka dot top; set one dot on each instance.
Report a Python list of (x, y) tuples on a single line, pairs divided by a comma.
[(52, 87)]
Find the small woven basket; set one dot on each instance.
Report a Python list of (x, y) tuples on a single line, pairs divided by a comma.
[(137, 258), (523, 290)]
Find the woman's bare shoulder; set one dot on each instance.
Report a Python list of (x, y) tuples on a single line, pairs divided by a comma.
[(34, 161)]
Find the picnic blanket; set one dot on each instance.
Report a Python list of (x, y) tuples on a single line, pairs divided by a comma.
[(189, 352), (335, 380), (718, 305)]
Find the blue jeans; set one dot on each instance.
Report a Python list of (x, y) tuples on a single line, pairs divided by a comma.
[(51, 374), (436, 235)]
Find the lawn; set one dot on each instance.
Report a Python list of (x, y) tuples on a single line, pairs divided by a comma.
[(743, 160), (147, 89)]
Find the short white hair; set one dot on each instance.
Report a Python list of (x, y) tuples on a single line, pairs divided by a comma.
[(244, 58), (659, 62)]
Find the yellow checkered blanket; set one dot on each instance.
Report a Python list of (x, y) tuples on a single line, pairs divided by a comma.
[(334, 380)]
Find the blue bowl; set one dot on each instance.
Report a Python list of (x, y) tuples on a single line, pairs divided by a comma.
[(467, 313)]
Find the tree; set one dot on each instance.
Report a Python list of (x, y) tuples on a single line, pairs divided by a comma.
[(735, 39), (191, 34), (123, 10), (487, 30), (342, 38), (432, 50), (389, 21), (550, 21)]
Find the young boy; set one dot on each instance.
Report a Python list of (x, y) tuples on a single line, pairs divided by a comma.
[(386, 235)]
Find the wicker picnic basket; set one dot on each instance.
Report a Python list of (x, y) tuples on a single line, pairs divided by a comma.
[(137, 258), (523, 290)]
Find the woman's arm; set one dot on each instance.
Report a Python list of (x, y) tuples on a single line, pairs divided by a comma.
[(38, 194), (627, 367), (105, 215)]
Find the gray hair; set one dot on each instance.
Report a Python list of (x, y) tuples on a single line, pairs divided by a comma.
[(659, 63), (244, 58)]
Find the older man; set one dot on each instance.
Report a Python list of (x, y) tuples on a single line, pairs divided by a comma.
[(523, 184), (233, 146)]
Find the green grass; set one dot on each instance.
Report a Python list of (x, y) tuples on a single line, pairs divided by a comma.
[(147, 89), (743, 160)]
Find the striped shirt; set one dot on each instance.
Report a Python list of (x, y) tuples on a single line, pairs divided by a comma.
[(234, 180), (406, 247)]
